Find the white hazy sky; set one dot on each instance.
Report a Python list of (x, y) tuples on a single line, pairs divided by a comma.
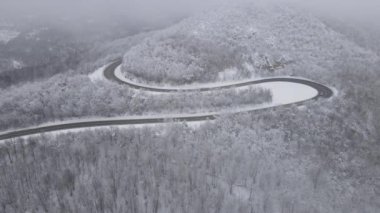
[(364, 10)]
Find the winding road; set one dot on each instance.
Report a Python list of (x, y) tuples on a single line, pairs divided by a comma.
[(109, 73)]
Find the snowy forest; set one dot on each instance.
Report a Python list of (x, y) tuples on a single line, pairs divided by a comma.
[(213, 106)]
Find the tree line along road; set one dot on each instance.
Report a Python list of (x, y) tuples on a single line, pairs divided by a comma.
[(109, 73)]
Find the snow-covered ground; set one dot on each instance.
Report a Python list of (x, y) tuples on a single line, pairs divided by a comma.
[(194, 125), (97, 75), (277, 88), (258, 39), (8, 35), (287, 92), (17, 64), (282, 93), (228, 74), (119, 74)]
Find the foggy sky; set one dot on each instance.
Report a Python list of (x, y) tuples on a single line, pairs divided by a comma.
[(363, 10), (98, 8)]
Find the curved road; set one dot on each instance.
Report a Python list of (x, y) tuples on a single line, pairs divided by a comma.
[(323, 91), (109, 73)]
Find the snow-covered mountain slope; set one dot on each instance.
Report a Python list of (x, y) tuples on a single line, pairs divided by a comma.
[(7, 35), (253, 40)]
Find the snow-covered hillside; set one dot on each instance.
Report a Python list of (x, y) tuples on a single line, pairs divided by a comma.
[(253, 40), (7, 35)]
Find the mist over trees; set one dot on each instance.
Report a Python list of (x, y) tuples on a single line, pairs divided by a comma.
[(66, 98), (283, 160), (252, 39), (39, 53), (321, 157)]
